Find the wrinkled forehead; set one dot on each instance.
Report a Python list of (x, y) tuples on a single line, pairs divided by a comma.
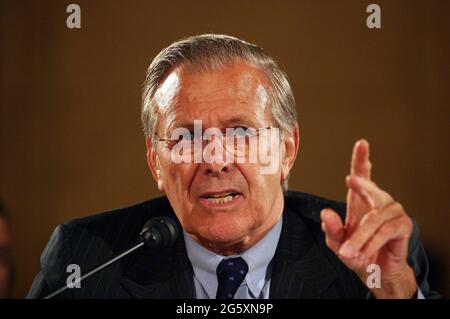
[(238, 89)]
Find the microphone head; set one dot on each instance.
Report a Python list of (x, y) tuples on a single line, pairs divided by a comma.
[(159, 232)]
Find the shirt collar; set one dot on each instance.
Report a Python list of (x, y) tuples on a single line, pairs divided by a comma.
[(257, 257)]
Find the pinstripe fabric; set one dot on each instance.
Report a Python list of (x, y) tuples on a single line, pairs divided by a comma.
[(303, 267)]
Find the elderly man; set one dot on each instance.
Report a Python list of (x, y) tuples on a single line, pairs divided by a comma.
[(222, 136)]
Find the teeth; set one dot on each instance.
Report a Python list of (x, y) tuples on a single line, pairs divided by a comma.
[(220, 195), (220, 200)]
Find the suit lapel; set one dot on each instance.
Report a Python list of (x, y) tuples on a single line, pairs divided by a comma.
[(163, 274), (300, 268)]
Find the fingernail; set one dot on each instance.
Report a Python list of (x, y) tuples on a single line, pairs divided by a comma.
[(347, 251)]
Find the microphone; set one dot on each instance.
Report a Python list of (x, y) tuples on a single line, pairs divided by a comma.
[(158, 232)]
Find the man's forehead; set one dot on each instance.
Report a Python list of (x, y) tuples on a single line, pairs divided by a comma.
[(239, 82)]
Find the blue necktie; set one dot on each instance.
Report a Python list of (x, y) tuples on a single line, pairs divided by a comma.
[(230, 274)]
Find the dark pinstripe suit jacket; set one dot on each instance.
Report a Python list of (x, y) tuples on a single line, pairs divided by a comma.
[(303, 267)]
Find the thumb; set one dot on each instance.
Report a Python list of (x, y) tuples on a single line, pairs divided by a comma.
[(333, 229)]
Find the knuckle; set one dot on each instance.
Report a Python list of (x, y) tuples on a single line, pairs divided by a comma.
[(398, 207), (371, 246), (385, 231), (372, 217), (409, 225), (395, 208)]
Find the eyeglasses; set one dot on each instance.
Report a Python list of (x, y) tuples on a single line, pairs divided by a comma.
[(238, 139)]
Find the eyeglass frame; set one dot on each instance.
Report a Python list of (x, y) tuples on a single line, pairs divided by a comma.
[(159, 139)]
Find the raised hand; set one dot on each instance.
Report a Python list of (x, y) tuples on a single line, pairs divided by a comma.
[(376, 231)]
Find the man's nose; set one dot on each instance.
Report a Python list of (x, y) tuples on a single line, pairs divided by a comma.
[(215, 168)]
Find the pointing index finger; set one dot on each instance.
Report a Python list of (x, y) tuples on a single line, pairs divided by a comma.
[(369, 192), (361, 165)]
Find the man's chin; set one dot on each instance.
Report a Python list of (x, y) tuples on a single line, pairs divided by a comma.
[(220, 236)]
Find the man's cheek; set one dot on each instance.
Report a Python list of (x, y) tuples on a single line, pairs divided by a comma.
[(180, 176)]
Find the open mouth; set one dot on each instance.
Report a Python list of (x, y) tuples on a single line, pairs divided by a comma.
[(221, 198)]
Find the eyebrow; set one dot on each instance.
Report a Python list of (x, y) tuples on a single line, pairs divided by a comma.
[(225, 123), (241, 120), (188, 125)]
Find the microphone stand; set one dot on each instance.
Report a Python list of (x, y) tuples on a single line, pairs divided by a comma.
[(93, 271)]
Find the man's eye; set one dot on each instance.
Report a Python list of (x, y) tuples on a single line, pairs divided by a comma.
[(241, 131), (186, 137)]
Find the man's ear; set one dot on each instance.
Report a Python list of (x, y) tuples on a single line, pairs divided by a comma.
[(153, 163), (291, 145)]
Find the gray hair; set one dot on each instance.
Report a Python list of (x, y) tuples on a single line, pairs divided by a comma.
[(211, 52)]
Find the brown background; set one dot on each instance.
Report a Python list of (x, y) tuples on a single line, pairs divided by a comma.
[(71, 141)]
